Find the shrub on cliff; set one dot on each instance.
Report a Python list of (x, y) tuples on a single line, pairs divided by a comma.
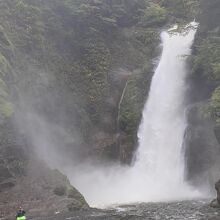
[(214, 109), (207, 61), (154, 15)]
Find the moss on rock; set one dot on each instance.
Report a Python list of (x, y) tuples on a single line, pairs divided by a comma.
[(63, 188), (60, 190), (4, 66), (4, 40), (6, 107)]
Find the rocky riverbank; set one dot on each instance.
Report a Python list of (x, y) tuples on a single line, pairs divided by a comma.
[(185, 210)]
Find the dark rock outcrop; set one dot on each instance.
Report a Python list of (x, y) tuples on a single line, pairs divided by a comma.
[(217, 187), (42, 192), (202, 134), (202, 149), (216, 202)]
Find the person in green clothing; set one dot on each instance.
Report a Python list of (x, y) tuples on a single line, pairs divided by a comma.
[(20, 214)]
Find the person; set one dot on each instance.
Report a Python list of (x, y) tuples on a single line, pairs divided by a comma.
[(20, 214)]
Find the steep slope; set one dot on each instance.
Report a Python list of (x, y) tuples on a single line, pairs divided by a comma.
[(63, 68), (202, 137), (69, 65)]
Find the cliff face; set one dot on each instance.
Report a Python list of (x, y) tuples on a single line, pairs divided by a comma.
[(64, 67), (202, 140), (83, 67)]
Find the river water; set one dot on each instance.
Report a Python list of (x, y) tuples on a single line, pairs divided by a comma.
[(184, 210)]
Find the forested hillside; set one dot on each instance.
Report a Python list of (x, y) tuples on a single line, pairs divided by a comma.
[(75, 74), (202, 136), (74, 59)]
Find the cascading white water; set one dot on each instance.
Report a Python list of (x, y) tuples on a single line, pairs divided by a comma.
[(158, 173), (163, 125)]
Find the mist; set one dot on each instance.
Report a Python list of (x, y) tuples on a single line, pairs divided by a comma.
[(106, 104), (156, 175)]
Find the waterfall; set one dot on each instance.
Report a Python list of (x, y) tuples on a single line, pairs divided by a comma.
[(163, 124), (158, 172), (160, 155)]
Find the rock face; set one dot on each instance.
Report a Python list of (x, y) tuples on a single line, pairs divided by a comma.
[(216, 202), (12, 156), (200, 137), (41, 192)]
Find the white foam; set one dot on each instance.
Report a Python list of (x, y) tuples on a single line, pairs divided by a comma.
[(158, 174)]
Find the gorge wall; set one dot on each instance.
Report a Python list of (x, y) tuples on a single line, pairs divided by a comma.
[(202, 135), (74, 77)]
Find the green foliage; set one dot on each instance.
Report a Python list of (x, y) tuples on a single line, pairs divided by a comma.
[(4, 66), (89, 75), (154, 15), (6, 107), (3, 89), (207, 61), (74, 193), (134, 100), (78, 43), (25, 22), (181, 9), (214, 107), (4, 40), (216, 69), (60, 190), (148, 37)]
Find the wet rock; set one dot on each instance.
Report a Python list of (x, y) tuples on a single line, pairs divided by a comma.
[(202, 147), (60, 190), (7, 184), (199, 210), (41, 191), (217, 187), (75, 205), (4, 173), (216, 202)]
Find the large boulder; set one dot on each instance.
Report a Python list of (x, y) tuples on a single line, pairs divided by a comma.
[(216, 202), (217, 187), (41, 192)]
